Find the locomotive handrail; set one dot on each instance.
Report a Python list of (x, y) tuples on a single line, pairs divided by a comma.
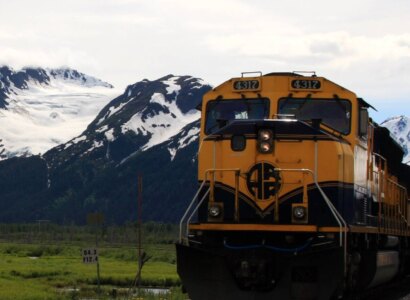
[(339, 219), (202, 200), (397, 184), (395, 217), (189, 208), (195, 210), (336, 214), (402, 189)]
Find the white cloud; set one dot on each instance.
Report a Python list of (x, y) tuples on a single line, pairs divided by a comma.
[(18, 57), (342, 47), (364, 45)]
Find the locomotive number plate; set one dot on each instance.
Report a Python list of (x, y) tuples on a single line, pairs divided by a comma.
[(246, 85), (306, 84)]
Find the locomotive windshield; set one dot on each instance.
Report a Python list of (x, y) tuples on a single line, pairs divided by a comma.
[(220, 112), (334, 113)]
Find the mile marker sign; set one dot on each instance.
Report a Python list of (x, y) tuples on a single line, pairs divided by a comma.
[(90, 256)]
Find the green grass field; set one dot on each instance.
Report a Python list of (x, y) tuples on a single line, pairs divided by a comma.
[(49, 268)]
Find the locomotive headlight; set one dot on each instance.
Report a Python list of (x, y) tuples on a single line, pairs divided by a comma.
[(265, 135), (265, 147), (214, 211), (299, 212), (265, 141)]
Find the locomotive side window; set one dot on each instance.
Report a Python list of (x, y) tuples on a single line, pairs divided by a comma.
[(220, 112), (363, 122), (334, 113)]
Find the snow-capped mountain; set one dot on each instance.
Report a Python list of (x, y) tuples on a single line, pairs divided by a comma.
[(150, 129), (148, 113), (42, 108), (400, 128)]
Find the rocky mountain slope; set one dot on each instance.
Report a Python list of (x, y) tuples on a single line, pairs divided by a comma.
[(148, 113)]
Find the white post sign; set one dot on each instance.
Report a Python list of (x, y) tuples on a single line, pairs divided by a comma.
[(90, 256)]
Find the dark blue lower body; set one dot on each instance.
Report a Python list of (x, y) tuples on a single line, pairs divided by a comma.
[(353, 206)]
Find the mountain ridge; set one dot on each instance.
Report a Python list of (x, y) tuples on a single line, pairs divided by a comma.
[(41, 108), (21, 79), (148, 113)]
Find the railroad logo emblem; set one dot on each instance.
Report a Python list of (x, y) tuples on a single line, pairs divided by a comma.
[(263, 181)]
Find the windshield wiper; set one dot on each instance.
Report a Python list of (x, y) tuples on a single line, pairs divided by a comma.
[(222, 122), (339, 102), (218, 125), (304, 102)]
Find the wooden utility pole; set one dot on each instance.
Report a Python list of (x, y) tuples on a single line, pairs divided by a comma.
[(140, 263), (142, 256)]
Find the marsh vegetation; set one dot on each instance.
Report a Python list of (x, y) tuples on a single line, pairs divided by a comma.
[(44, 261)]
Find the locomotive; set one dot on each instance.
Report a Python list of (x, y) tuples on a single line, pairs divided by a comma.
[(301, 194)]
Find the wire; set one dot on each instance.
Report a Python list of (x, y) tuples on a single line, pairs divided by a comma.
[(273, 248)]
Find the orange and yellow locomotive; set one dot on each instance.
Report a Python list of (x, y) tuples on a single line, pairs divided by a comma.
[(301, 195)]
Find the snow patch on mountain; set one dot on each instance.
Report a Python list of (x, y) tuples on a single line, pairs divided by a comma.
[(160, 126), (187, 137), (96, 144), (173, 87), (75, 141), (75, 77), (113, 110), (47, 107), (158, 98), (102, 128), (109, 135), (399, 126)]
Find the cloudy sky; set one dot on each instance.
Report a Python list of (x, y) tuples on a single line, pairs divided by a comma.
[(363, 45)]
